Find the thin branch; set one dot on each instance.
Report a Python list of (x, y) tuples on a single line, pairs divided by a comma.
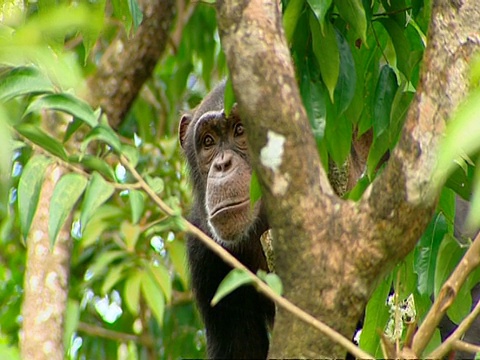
[(447, 295), (259, 284), (114, 335), (466, 347), (453, 339)]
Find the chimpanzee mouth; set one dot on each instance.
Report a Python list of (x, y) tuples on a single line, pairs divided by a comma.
[(229, 206)]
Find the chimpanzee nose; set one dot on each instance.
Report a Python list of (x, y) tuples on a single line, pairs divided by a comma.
[(223, 162)]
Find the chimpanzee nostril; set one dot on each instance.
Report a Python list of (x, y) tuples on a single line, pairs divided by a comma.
[(223, 162)]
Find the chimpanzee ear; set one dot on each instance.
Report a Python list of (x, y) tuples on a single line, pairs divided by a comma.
[(182, 128)]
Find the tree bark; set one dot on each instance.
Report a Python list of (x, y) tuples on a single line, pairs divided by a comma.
[(46, 282), (332, 250), (128, 63)]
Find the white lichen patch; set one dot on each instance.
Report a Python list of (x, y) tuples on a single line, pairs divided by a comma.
[(280, 184), (271, 154)]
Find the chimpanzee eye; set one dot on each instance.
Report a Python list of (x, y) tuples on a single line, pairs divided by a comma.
[(239, 129), (208, 141)]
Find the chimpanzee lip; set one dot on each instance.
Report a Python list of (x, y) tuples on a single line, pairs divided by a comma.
[(226, 206)]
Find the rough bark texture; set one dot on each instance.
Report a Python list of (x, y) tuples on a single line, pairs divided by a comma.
[(127, 64), (46, 283), (331, 253)]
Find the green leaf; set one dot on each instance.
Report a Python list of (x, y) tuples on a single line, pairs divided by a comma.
[(131, 153), (347, 79), (114, 275), (29, 187), (292, 15), (338, 135), (98, 191), (376, 317), (326, 52), (66, 193), (449, 255), (105, 134), (228, 97), (122, 12), (67, 103), (472, 223), (177, 252), (137, 203), (131, 292), (72, 318), (461, 137), (162, 278), (136, 12), (23, 81), (401, 45), (319, 8), (232, 281), (275, 283), (42, 139), (426, 253), (384, 95), (156, 184), (130, 234), (255, 190), (353, 13), (94, 163), (154, 297), (102, 262)]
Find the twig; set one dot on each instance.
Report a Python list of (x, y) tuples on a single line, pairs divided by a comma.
[(466, 347), (113, 335), (447, 295), (453, 339), (259, 284)]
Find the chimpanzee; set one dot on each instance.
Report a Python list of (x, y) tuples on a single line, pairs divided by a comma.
[(216, 149)]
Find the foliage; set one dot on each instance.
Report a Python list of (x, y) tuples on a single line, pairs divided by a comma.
[(358, 68)]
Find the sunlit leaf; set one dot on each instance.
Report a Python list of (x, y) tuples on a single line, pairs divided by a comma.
[(102, 262), (42, 139), (319, 8), (275, 283), (156, 184), (353, 13), (154, 297), (114, 275), (130, 233), (231, 282), (255, 190), (163, 279), (401, 45), (131, 292), (137, 204), (98, 191), (347, 79), (72, 317), (66, 103), (29, 188), (94, 163), (66, 193), (104, 134), (291, 16), (136, 12), (177, 252), (22, 81)]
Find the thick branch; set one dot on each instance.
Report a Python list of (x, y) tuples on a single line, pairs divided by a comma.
[(127, 64)]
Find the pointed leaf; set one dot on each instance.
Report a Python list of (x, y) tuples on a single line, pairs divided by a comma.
[(94, 163), (137, 203), (114, 275), (255, 190), (177, 252), (162, 277), (98, 191), (325, 48), (275, 283), (42, 139), (131, 292), (66, 193), (228, 97), (29, 187), (101, 262), (353, 13), (105, 134), (384, 94), (154, 297), (232, 281), (291, 16), (319, 8), (347, 78), (400, 44), (66, 103), (23, 81), (130, 233)]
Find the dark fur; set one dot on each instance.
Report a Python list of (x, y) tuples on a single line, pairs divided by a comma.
[(237, 327)]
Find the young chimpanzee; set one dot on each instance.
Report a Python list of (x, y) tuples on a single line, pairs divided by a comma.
[(216, 149)]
